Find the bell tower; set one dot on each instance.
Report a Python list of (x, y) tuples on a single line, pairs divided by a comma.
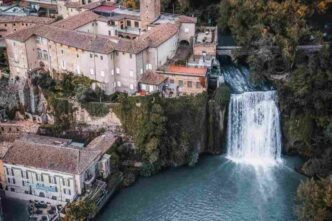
[(150, 10)]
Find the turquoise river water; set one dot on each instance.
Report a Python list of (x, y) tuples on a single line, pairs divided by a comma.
[(215, 190)]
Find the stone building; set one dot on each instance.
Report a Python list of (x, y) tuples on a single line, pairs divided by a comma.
[(150, 11), (186, 80), (53, 169), (11, 24), (114, 50)]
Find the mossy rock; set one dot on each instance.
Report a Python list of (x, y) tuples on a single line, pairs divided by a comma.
[(298, 130)]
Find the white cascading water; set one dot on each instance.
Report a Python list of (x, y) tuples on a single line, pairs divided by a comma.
[(254, 135)]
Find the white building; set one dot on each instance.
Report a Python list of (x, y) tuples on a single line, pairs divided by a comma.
[(52, 170)]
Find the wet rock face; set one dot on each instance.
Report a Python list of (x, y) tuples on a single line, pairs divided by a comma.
[(8, 95)]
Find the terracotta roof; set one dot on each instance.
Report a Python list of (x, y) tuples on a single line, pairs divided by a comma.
[(4, 147), (159, 34), (23, 34), (81, 40), (34, 138), (88, 6), (85, 41), (26, 19), (49, 157), (152, 78), (187, 19), (102, 143), (184, 70), (77, 21)]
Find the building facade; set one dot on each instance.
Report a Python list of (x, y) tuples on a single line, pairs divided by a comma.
[(186, 80), (114, 50), (52, 170)]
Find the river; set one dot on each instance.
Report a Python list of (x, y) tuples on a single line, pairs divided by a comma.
[(216, 189)]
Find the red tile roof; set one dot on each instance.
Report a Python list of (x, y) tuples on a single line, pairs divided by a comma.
[(152, 78), (187, 19), (61, 159), (184, 70), (77, 21), (25, 19)]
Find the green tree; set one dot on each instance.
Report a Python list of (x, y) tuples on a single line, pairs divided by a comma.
[(314, 200), (80, 210), (266, 28)]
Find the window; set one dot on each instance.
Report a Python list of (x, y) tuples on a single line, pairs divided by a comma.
[(109, 33), (49, 179), (8, 180), (45, 55), (180, 83), (101, 57), (78, 69), (14, 181), (7, 170), (119, 84), (128, 23), (92, 72), (143, 87), (118, 70), (112, 23), (198, 85), (61, 51), (23, 183), (91, 56), (77, 55), (38, 40), (63, 64), (131, 56), (55, 182), (27, 174), (190, 84), (136, 24)]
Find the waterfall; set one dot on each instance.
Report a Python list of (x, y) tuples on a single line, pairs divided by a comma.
[(254, 135)]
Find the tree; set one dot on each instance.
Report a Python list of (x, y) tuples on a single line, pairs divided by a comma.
[(80, 210), (268, 27), (130, 4), (314, 200)]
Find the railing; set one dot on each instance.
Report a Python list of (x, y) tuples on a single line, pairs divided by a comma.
[(53, 2)]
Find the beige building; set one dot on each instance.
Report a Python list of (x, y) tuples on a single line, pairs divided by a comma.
[(186, 80), (114, 50), (53, 169), (11, 24)]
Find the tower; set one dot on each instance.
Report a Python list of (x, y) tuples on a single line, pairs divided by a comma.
[(150, 10)]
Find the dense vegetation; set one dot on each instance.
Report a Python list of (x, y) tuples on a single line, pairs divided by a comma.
[(206, 11), (166, 132), (270, 32), (69, 89)]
